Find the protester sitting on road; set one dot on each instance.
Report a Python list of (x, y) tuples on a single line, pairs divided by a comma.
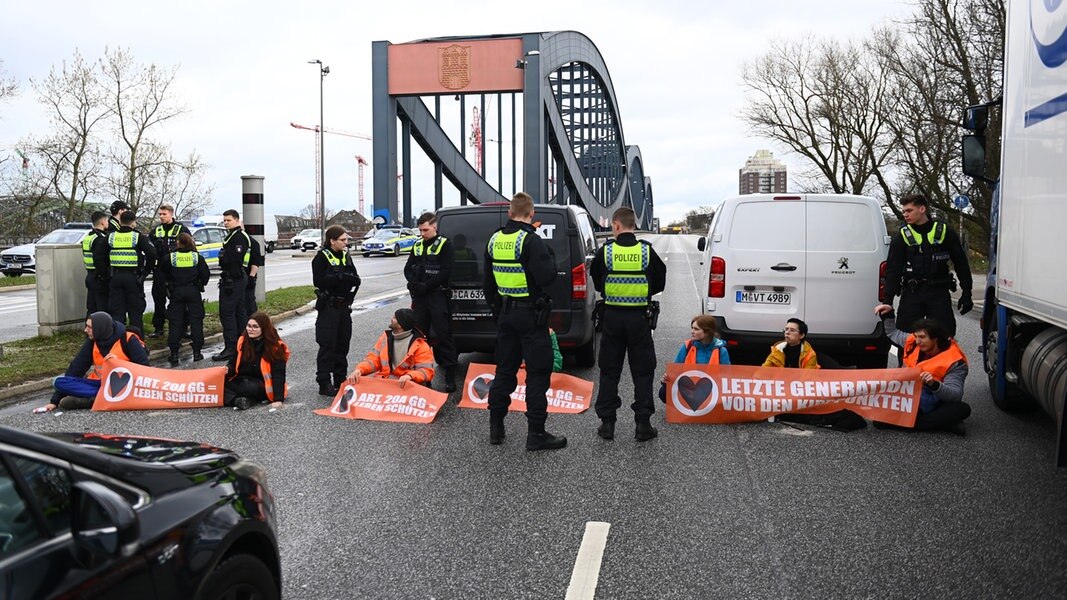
[(794, 352), (256, 373), (702, 348), (401, 339), (944, 369), (76, 389)]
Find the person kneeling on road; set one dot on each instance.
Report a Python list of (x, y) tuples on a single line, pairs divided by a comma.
[(702, 348), (256, 373), (401, 339), (944, 369), (794, 352), (76, 389)]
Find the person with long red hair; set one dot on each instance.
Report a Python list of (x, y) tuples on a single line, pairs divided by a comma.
[(256, 373)]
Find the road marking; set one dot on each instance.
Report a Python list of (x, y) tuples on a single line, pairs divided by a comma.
[(587, 564)]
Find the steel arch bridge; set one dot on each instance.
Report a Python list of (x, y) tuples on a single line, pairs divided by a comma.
[(566, 142)]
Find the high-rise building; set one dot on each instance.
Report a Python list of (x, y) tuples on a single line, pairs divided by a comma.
[(762, 174)]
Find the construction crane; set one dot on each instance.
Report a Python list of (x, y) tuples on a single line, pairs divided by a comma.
[(318, 158), (476, 140), (362, 163)]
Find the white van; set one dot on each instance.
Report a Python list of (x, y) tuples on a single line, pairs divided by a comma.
[(817, 257)]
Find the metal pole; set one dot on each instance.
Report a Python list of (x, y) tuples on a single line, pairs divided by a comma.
[(323, 72)]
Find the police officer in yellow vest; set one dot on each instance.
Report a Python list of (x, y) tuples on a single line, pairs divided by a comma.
[(917, 268), (428, 271), (336, 282), (117, 208), (165, 239), (95, 253), (131, 256), (518, 268), (234, 258), (627, 272), (185, 274)]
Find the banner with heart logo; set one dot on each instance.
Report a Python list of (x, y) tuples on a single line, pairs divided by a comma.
[(739, 394), (130, 386), (566, 394), (377, 399)]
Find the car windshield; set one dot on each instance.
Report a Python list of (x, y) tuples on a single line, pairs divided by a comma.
[(387, 234), (308, 232), (63, 236)]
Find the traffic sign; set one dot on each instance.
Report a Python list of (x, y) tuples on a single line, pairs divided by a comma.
[(961, 202)]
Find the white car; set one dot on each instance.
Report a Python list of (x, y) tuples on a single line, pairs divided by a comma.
[(22, 259), (307, 239)]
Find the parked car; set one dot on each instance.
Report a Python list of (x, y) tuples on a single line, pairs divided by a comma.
[(270, 228), (817, 257), (20, 260), (91, 515), (390, 240), (567, 231), (209, 241), (307, 239)]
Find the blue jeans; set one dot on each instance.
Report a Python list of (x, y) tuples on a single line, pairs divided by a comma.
[(927, 401), (75, 386)]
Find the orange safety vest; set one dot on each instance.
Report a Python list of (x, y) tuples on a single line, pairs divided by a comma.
[(691, 354), (418, 363), (264, 368), (808, 359), (937, 365), (116, 349)]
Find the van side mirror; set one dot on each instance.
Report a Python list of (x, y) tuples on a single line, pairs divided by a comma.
[(701, 243), (103, 524), (974, 157)]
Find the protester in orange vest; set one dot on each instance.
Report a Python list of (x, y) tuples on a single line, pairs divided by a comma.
[(702, 348), (944, 369), (256, 373), (401, 339), (76, 389)]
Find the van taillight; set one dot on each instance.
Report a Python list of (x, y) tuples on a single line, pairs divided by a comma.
[(717, 278), (578, 282), (881, 282)]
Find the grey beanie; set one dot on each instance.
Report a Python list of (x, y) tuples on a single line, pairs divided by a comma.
[(103, 325)]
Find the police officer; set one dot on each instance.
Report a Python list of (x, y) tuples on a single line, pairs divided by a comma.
[(336, 283), (185, 274), (130, 257), (917, 268), (117, 208), (255, 262), (627, 272), (428, 271), (165, 239), (98, 269), (234, 258), (518, 267)]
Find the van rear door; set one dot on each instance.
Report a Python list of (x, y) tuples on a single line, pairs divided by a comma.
[(765, 267), (469, 232)]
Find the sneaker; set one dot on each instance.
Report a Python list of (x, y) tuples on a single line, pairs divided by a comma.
[(606, 430), (545, 441), (644, 432), (156, 334), (242, 403), (496, 433)]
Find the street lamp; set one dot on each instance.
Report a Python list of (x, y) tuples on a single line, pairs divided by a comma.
[(323, 72)]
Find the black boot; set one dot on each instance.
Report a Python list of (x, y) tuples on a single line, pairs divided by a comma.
[(544, 441), (450, 379), (496, 432), (197, 355), (645, 431), (242, 403), (325, 389), (606, 430), (173, 358), (227, 353)]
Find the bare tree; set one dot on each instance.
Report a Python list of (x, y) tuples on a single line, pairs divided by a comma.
[(8, 86), (180, 184), (311, 211)]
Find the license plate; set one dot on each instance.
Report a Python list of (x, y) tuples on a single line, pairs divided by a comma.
[(468, 294), (762, 298)]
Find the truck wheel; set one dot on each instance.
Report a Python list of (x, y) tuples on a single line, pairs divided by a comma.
[(585, 356), (240, 576), (1013, 399)]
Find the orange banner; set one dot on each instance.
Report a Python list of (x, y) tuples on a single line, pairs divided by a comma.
[(566, 394), (130, 386), (738, 394), (377, 399)]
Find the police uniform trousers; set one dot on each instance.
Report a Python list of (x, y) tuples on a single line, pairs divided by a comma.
[(625, 332), (252, 388), (435, 321), (519, 338), (96, 293), (126, 298), (932, 302), (333, 333), (232, 313), (185, 303), (159, 299), (250, 297)]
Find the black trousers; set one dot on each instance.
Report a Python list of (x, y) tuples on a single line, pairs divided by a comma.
[(159, 301), (434, 318), (944, 416), (96, 294), (626, 331), (519, 338), (185, 303), (252, 388), (250, 299), (126, 298), (926, 302), (333, 334), (232, 313)]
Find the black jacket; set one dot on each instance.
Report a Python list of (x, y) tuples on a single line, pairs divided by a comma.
[(336, 282), (536, 261), (101, 254), (83, 360), (896, 262), (181, 277), (656, 274), (415, 272), (168, 243), (232, 255), (146, 251)]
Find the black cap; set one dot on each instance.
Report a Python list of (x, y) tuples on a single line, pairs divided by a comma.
[(119, 205), (405, 317)]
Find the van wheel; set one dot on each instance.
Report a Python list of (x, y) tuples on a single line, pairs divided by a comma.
[(585, 356), (270, 247), (240, 576)]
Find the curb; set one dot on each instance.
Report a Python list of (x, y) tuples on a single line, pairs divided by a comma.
[(17, 288)]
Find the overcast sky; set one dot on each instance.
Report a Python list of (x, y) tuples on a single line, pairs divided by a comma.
[(244, 76)]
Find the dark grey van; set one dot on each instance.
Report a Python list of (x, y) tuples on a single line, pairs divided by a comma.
[(567, 231)]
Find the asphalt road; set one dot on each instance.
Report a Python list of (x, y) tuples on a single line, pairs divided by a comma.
[(383, 510)]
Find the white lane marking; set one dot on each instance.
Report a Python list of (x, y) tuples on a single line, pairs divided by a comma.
[(587, 564)]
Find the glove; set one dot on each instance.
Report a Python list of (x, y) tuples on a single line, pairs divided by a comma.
[(965, 304), (251, 285), (417, 288)]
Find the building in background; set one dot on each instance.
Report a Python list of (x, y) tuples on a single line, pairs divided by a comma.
[(762, 174)]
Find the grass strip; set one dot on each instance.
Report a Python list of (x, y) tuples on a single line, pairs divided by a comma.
[(20, 280)]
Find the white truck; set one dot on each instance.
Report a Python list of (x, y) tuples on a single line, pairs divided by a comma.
[(1024, 321)]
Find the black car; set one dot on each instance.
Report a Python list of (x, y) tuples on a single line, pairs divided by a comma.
[(568, 231), (85, 515)]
